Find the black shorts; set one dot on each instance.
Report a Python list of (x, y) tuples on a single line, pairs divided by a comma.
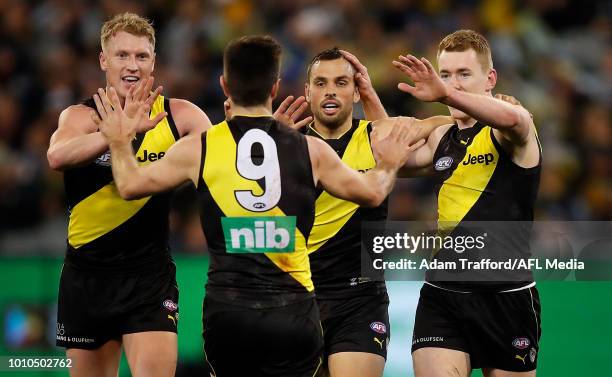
[(498, 330), (95, 307), (356, 324), (242, 341)]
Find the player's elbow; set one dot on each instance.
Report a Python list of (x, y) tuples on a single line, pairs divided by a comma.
[(54, 159), (374, 199), (128, 192)]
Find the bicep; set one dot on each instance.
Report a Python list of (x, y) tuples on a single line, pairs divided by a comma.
[(189, 118)]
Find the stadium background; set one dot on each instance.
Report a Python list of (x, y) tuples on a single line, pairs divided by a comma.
[(554, 56)]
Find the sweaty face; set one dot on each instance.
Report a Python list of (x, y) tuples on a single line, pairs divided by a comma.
[(463, 71), (126, 60), (331, 92)]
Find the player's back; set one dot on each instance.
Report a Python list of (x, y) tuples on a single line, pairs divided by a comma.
[(257, 199)]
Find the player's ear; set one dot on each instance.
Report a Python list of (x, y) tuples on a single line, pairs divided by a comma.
[(275, 88), (491, 80), (103, 62), (307, 92), (356, 96), (224, 86), (153, 64)]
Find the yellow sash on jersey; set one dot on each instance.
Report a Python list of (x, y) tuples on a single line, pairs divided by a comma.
[(464, 187), (104, 210), (331, 213), (222, 179)]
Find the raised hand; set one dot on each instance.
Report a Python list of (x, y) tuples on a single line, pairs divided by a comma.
[(139, 101), (362, 78), (428, 86), (394, 149), (291, 110), (114, 122)]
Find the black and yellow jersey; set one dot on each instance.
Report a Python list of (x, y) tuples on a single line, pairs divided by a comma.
[(476, 180), (106, 232), (257, 197), (335, 240)]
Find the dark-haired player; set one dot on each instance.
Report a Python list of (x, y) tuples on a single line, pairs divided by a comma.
[(257, 181)]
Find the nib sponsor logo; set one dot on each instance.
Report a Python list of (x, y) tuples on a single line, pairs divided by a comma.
[(274, 234)]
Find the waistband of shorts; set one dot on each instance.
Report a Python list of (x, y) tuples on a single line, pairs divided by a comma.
[(153, 263), (256, 298)]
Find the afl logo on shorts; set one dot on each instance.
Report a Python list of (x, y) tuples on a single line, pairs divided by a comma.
[(170, 305), (378, 327), (521, 343), (444, 163)]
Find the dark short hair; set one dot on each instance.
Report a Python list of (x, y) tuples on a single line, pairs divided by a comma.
[(251, 67), (329, 54)]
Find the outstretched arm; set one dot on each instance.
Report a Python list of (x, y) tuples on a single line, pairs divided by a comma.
[(179, 165), (513, 121), (371, 188)]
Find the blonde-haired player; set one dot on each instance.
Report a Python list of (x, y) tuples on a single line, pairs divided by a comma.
[(487, 169), (118, 285)]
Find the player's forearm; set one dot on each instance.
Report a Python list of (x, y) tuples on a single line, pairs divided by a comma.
[(428, 125), (381, 180), (125, 170), (76, 151), (486, 109), (373, 107)]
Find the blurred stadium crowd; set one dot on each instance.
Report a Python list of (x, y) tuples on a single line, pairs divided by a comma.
[(555, 56)]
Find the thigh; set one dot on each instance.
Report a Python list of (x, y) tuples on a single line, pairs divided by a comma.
[(100, 362), (285, 341), (488, 372), (85, 314), (504, 330), (440, 362), (152, 303), (152, 353), (438, 321), (357, 325)]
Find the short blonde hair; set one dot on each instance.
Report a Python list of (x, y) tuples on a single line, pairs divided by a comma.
[(130, 23), (463, 40)]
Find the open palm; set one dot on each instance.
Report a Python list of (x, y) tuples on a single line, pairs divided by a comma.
[(428, 86)]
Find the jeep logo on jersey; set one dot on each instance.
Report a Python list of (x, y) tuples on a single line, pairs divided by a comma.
[(274, 234), (481, 158), (150, 156), (521, 343), (444, 163), (378, 327), (170, 305), (104, 160)]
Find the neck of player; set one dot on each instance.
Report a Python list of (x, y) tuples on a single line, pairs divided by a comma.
[(465, 123), (258, 110), (333, 133)]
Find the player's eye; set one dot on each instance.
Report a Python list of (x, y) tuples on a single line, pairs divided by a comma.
[(465, 75), (320, 84), (342, 83), (444, 76)]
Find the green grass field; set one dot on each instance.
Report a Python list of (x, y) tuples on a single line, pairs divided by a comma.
[(576, 318)]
